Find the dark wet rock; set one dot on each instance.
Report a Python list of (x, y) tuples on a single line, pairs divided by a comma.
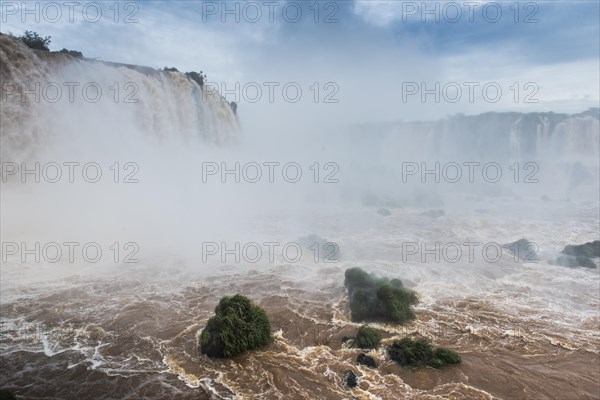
[(578, 255), (434, 213), (351, 379), (384, 212), (523, 250), (346, 338), (327, 250), (589, 249), (364, 359)]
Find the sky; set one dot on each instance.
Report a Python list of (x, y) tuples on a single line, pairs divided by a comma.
[(353, 61)]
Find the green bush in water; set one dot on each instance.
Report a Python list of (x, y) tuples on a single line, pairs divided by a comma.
[(238, 325), (367, 337), (419, 352), (373, 298)]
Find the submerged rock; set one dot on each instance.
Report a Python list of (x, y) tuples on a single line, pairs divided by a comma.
[(434, 213), (238, 325), (326, 250), (364, 359), (384, 212)]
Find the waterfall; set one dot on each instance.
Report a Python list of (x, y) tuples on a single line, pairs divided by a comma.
[(52, 99)]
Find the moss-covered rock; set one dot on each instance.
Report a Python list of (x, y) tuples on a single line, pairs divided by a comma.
[(367, 337), (419, 353), (373, 298), (238, 325)]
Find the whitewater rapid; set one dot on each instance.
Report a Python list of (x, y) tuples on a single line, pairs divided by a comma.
[(509, 310)]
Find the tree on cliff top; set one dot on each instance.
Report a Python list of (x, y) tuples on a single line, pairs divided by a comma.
[(35, 41)]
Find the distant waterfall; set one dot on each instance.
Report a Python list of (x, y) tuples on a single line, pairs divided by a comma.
[(492, 135), (49, 96)]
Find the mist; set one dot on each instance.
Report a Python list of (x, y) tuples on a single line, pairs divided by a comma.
[(137, 194)]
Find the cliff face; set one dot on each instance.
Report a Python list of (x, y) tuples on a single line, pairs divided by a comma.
[(47, 96)]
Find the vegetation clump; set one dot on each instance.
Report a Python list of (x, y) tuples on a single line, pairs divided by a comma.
[(378, 299), (238, 325), (72, 53), (170, 69), (199, 78), (367, 337), (419, 353), (35, 41)]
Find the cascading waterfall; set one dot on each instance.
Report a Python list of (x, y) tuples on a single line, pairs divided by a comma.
[(499, 136), (50, 99)]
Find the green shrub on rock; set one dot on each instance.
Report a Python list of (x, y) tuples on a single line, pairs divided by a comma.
[(367, 337), (238, 325), (378, 299), (419, 352), (72, 53)]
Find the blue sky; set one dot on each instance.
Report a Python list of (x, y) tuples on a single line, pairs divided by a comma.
[(372, 49)]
